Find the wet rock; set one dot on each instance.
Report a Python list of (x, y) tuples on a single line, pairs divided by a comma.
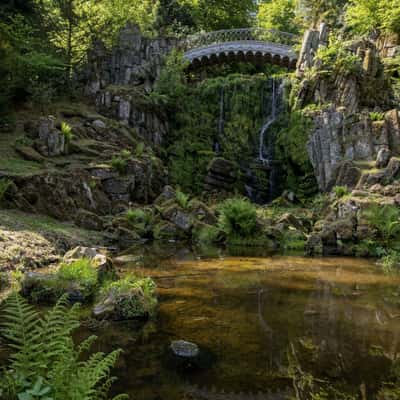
[(167, 231), (130, 303), (221, 175), (99, 125), (168, 193), (288, 220), (80, 252), (393, 169), (42, 288), (126, 237), (187, 356), (184, 349), (119, 188), (345, 174), (29, 153), (202, 212), (382, 159), (178, 217), (88, 220)]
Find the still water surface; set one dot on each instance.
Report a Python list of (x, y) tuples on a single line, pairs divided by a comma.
[(248, 311)]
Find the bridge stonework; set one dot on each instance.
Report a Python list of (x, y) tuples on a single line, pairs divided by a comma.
[(253, 45)]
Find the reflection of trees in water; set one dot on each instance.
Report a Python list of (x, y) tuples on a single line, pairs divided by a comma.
[(338, 333)]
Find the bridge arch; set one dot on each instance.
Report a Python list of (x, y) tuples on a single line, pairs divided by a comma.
[(255, 45)]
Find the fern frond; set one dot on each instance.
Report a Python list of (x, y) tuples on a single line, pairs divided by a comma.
[(57, 327), (86, 344), (94, 371), (21, 327)]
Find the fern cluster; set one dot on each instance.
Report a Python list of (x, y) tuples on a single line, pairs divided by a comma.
[(386, 220), (238, 217), (45, 363)]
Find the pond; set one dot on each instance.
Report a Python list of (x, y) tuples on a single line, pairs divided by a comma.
[(338, 318)]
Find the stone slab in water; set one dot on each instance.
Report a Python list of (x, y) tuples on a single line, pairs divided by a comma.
[(182, 348)]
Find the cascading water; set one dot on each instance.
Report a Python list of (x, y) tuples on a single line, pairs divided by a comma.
[(221, 121), (266, 155), (271, 119)]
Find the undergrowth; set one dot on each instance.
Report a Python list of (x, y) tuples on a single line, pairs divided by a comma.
[(45, 363)]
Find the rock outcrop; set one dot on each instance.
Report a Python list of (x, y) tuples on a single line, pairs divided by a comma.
[(118, 81), (222, 175)]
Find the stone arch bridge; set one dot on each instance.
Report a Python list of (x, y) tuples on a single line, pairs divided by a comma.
[(255, 45)]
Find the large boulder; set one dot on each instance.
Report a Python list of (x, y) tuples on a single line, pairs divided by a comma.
[(221, 175), (40, 288), (392, 170), (88, 220), (345, 174), (202, 212), (168, 193), (180, 218)]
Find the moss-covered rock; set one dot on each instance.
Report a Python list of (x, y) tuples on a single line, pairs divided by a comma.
[(126, 299), (78, 280)]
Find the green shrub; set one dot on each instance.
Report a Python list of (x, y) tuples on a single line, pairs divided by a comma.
[(293, 241), (369, 248), (135, 297), (79, 279), (182, 199), (238, 217), (341, 191), (4, 186), (126, 154), (45, 363), (377, 116), (337, 58), (386, 220), (140, 148), (81, 271), (208, 234), (66, 130), (119, 164), (391, 262), (141, 221)]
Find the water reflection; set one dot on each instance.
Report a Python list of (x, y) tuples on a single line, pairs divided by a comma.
[(248, 311)]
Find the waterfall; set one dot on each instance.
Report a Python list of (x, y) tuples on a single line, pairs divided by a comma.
[(271, 119), (221, 120)]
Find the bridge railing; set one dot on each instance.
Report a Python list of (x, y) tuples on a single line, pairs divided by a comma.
[(233, 35)]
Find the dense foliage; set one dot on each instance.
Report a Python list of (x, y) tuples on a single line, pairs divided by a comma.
[(45, 363), (238, 218)]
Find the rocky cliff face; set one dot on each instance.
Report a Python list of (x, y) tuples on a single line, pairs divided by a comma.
[(353, 122), (76, 180), (118, 79), (338, 137)]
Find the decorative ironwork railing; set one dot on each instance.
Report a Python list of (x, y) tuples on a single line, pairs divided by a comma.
[(238, 35)]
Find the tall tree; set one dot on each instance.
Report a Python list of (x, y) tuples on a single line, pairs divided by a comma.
[(279, 15), (224, 14)]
